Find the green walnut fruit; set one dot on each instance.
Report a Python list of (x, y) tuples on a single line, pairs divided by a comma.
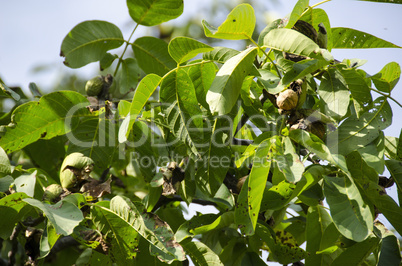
[(94, 86), (76, 167), (287, 100), (52, 192)]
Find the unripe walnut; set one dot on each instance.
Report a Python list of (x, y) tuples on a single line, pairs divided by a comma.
[(52, 192), (94, 86), (75, 167), (287, 100)]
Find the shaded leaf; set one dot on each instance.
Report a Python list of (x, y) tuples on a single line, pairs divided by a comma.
[(200, 253), (355, 39), (183, 114), (390, 251), (385, 1), (351, 215), (95, 138), (154, 12), (315, 16), (225, 89), (11, 207), (129, 76), (302, 68), (239, 24), (357, 253), (89, 41), (125, 215), (152, 55), (7, 92), (5, 166), (278, 196), (334, 92), (64, 215), (182, 49), (55, 114), (202, 76)]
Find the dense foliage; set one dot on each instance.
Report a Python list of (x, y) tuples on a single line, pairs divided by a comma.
[(269, 136)]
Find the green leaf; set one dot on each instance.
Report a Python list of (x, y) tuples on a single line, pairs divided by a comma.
[(302, 68), (279, 23), (220, 54), (356, 254), (182, 49), (47, 240), (187, 228), (145, 89), (154, 12), (202, 75), (291, 41), (388, 77), (124, 218), (222, 221), (7, 92), (5, 166), (239, 24), (350, 213), (95, 138), (315, 145), (183, 114), (153, 55), (107, 60), (64, 215), (355, 132), (55, 114), (51, 160), (12, 207), (314, 17), (251, 194), (355, 39), (26, 183), (318, 221), (297, 11), (225, 89), (391, 144), (334, 92), (357, 86), (89, 41), (280, 245), (129, 76), (390, 251), (200, 253), (288, 161), (278, 196), (395, 169)]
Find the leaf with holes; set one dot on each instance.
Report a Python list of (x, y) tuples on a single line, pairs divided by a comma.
[(238, 25)]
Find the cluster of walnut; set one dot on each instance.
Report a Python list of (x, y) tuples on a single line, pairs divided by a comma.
[(290, 102)]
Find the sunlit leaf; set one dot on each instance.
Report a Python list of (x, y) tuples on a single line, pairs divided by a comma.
[(220, 54), (297, 12), (225, 89), (182, 49), (302, 68), (200, 253), (55, 114), (202, 76), (145, 89), (64, 215), (355, 132), (89, 41), (5, 166), (291, 41), (238, 25), (355, 39), (388, 77), (26, 184), (251, 194), (315, 16), (154, 12), (153, 56)]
